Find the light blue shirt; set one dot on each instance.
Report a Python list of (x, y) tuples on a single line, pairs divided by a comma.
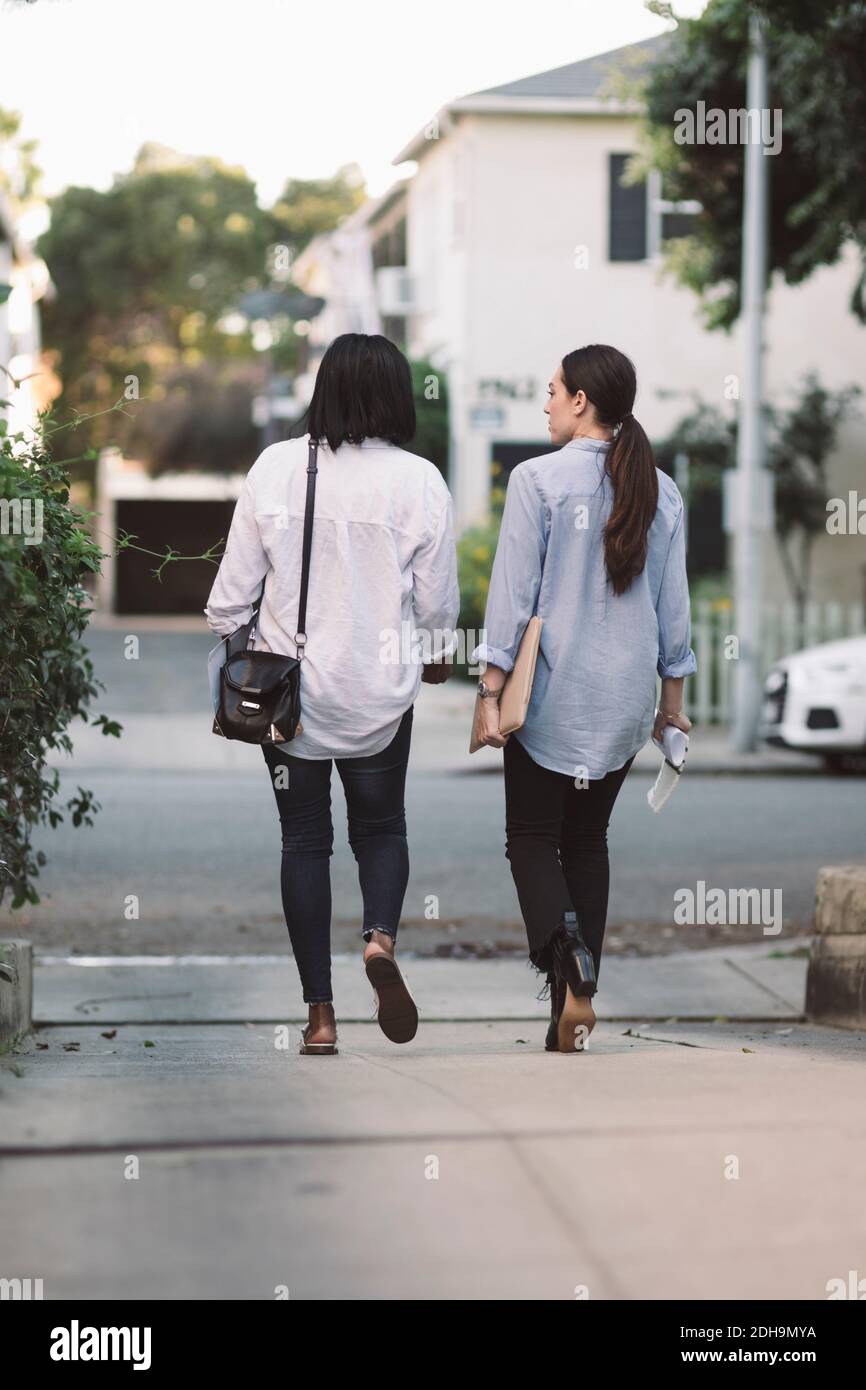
[(594, 693)]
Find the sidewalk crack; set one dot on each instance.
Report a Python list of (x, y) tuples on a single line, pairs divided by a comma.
[(767, 989)]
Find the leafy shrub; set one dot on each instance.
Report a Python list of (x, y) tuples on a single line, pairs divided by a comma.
[(476, 549), (46, 676)]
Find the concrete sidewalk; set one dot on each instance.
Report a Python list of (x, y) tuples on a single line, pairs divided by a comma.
[(161, 1137), (183, 741), (763, 981)]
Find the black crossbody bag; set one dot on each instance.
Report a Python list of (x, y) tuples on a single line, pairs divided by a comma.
[(260, 692)]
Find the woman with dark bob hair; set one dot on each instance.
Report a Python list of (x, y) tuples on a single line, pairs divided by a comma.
[(592, 542), (383, 563)]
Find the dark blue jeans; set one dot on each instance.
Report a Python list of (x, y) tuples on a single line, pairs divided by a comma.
[(374, 788)]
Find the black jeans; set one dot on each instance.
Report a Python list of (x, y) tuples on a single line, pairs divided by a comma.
[(556, 844), (374, 788)]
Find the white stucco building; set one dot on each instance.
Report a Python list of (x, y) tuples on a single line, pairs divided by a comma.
[(522, 244)]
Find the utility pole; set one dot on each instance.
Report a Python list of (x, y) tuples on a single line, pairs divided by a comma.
[(750, 511)]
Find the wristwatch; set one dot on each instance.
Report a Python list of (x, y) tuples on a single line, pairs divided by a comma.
[(486, 693)]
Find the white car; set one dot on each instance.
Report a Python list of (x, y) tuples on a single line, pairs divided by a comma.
[(815, 702)]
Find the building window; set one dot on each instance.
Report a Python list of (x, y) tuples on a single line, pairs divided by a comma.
[(665, 217), (641, 217), (628, 214)]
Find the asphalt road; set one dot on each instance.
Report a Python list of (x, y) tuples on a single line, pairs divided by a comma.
[(199, 848), (202, 854)]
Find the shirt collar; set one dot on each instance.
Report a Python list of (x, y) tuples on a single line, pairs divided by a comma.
[(583, 443), (371, 442)]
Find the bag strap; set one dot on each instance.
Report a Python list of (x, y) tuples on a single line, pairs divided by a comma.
[(309, 508), (306, 551)]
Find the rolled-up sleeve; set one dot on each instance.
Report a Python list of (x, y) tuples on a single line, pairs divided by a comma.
[(516, 575), (673, 610), (243, 567), (435, 590)]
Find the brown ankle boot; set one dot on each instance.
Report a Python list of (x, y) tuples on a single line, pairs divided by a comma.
[(321, 1019)]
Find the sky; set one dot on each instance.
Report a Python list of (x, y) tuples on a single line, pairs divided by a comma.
[(284, 89)]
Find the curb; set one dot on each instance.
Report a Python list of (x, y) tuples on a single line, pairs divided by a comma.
[(16, 991), (836, 982)]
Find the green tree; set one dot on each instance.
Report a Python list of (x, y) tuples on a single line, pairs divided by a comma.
[(197, 417), (817, 77), (20, 175), (708, 439), (307, 207), (802, 440), (144, 272), (150, 276), (430, 390)]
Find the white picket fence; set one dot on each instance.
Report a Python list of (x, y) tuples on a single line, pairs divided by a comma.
[(709, 692)]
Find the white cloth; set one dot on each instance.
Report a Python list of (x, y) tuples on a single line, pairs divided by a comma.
[(383, 592)]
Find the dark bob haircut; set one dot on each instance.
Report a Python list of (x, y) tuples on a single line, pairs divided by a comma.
[(363, 390)]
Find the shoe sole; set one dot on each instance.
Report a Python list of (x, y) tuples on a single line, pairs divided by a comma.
[(325, 1049), (577, 1014), (396, 1014)]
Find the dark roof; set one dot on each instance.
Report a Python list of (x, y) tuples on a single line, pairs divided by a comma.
[(586, 78)]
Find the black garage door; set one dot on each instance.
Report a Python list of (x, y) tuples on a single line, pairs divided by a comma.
[(190, 528)]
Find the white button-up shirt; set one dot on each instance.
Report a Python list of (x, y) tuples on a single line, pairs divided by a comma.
[(383, 593)]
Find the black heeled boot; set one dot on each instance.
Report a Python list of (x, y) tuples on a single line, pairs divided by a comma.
[(574, 969), (572, 958), (557, 997)]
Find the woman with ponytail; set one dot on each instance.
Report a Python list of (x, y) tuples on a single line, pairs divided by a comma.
[(592, 541)]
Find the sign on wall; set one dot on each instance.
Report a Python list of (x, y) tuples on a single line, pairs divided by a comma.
[(487, 417), (517, 388)]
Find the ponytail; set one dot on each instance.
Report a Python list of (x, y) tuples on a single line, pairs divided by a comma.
[(607, 378), (631, 467)]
